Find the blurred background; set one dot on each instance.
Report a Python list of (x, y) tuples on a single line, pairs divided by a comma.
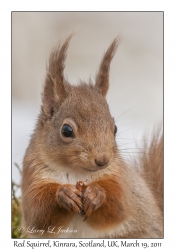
[(135, 96)]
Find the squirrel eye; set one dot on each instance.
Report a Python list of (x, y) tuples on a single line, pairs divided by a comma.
[(67, 131), (115, 130)]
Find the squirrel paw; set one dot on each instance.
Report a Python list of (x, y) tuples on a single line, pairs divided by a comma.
[(93, 198), (69, 197)]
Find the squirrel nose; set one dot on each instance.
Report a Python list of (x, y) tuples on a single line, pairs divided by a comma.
[(102, 161)]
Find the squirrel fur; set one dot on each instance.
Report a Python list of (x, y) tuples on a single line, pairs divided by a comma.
[(74, 140)]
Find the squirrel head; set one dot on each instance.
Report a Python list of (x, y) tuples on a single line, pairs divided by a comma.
[(76, 129)]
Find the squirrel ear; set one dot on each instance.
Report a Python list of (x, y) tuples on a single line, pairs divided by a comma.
[(54, 89), (102, 78)]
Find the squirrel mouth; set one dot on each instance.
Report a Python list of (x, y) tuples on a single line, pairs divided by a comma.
[(93, 170), (90, 170)]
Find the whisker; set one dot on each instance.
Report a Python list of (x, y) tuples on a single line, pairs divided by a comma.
[(139, 153), (122, 125), (130, 139), (138, 148), (132, 128), (126, 143), (126, 112)]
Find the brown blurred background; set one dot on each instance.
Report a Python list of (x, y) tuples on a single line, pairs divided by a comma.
[(136, 76)]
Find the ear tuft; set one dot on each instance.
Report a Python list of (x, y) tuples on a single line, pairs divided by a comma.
[(54, 89), (102, 78)]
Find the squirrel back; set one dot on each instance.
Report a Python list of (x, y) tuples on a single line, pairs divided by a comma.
[(73, 142)]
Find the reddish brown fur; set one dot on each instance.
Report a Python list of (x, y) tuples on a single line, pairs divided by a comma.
[(41, 208), (151, 163), (102, 79), (113, 198), (116, 201)]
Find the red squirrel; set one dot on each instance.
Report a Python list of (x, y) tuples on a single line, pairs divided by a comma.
[(74, 177)]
